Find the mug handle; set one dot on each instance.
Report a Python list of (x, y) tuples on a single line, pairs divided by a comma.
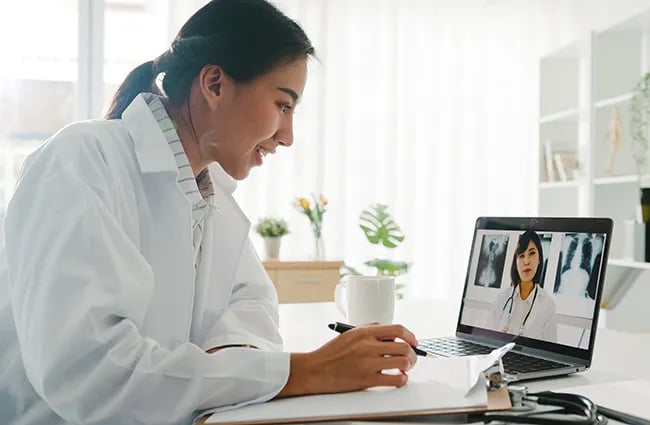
[(340, 296)]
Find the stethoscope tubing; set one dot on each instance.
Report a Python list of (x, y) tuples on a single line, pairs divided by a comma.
[(511, 300), (572, 404)]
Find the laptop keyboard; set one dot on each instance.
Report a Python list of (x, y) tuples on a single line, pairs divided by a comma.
[(513, 363)]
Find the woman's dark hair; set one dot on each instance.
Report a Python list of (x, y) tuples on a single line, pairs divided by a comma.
[(246, 38), (524, 239)]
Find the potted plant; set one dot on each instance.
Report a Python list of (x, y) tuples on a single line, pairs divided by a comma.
[(272, 229), (639, 123), (639, 119), (380, 228)]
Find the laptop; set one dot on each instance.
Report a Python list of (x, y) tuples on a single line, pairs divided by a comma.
[(536, 282)]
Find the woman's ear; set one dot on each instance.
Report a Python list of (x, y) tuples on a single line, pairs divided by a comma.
[(211, 83)]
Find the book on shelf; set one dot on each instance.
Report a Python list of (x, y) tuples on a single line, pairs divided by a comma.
[(548, 161), (566, 163), (561, 170)]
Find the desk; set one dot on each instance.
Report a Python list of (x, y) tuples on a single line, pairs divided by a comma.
[(618, 356)]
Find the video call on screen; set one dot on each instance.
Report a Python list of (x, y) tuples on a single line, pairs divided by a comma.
[(569, 276)]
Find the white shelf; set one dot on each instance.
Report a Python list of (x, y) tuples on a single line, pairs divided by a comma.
[(566, 115), (621, 262), (613, 101), (580, 86), (559, 185), (628, 178)]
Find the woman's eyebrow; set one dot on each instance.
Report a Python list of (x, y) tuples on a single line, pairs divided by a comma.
[(291, 93)]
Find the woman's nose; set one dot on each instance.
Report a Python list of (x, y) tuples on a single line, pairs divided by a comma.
[(284, 135)]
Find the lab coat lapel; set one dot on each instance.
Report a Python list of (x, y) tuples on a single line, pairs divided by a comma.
[(230, 230), (231, 227), (166, 230)]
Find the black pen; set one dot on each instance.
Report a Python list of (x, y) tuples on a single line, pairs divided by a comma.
[(342, 327)]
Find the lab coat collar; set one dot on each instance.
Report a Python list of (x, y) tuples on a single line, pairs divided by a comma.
[(151, 148), (528, 300), (223, 179)]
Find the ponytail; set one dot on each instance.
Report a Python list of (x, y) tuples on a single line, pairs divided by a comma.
[(139, 80), (246, 38)]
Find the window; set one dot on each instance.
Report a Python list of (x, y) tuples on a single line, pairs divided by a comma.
[(38, 80), (53, 76), (136, 31)]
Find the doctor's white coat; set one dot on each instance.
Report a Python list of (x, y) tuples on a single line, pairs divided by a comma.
[(101, 321)]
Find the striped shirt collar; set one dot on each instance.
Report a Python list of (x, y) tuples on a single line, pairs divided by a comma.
[(198, 189)]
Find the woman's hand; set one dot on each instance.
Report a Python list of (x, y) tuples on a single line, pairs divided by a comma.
[(354, 360)]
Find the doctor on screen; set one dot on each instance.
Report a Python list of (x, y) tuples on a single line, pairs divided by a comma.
[(524, 308)]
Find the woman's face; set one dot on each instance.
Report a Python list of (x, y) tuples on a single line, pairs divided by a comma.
[(251, 120), (528, 262)]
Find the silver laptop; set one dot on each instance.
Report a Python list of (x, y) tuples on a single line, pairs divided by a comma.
[(536, 282)]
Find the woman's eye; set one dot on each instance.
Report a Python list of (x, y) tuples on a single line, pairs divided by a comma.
[(285, 107)]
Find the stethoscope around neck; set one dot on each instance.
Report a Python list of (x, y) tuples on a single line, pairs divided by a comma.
[(511, 301)]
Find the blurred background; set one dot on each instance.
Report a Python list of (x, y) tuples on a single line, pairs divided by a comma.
[(430, 107)]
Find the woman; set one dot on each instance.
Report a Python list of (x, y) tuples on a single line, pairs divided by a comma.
[(130, 292), (525, 308)]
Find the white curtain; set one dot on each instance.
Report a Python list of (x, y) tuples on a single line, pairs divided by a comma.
[(427, 106)]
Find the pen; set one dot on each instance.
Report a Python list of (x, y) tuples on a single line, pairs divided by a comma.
[(342, 327)]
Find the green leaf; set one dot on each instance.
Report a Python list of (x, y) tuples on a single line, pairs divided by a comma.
[(380, 227), (346, 270), (272, 227), (640, 116), (387, 267)]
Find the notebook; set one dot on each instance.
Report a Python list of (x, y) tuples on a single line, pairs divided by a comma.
[(437, 386), (537, 282)]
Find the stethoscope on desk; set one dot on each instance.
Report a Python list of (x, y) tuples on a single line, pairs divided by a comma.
[(572, 409), (579, 410), (511, 301)]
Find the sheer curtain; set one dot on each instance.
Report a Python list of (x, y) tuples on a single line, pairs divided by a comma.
[(426, 106)]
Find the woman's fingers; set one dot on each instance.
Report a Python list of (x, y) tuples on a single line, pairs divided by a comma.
[(402, 363), (391, 380), (383, 332), (354, 360)]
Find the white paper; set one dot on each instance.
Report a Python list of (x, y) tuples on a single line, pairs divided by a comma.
[(434, 384), (625, 396), (461, 373)]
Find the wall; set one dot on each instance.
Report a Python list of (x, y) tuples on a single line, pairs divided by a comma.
[(573, 19)]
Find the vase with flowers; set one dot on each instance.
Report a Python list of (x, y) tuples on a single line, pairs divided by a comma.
[(314, 213)]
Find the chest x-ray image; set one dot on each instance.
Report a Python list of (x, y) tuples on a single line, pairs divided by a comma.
[(579, 263), (491, 260)]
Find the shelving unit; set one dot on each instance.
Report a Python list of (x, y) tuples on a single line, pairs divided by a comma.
[(582, 86)]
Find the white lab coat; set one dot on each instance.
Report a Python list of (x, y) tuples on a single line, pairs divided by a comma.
[(100, 319), (541, 324)]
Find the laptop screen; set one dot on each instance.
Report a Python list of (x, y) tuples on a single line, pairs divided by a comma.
[(537, 281)]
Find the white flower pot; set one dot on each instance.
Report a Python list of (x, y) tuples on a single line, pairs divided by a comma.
[(272, 246)]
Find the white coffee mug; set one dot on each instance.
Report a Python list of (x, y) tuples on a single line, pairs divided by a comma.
[(366, 299)]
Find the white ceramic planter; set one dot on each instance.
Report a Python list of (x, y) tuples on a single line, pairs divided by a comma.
[(272, 246)]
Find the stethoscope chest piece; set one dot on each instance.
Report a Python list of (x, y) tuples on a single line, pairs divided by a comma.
[(518, 400)]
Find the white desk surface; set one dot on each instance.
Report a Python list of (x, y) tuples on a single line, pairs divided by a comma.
[(618, 355)]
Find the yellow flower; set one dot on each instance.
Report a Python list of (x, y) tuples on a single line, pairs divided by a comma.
[(304, 203)]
